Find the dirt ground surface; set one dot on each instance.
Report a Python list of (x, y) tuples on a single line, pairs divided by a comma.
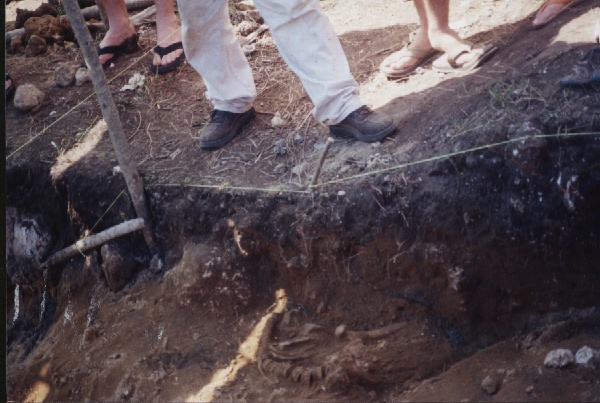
[(442, 264)]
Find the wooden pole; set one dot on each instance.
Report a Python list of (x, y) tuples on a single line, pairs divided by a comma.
[(111, 117), (93, 241)]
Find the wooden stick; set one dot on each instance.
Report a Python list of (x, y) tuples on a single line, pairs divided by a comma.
[(315, 178), (94, 241), (111, 117), (95, 12)]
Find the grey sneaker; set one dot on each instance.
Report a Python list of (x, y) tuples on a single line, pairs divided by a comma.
[(365, 125), (223, 127)]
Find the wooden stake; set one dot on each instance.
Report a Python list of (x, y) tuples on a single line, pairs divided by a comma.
[(111, 117), (94, 241), (315, 178)]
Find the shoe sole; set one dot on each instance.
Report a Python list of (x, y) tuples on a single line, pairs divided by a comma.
[(352, 133), (244, 120)]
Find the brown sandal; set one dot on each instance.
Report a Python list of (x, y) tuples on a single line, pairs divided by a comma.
[(423, 56)]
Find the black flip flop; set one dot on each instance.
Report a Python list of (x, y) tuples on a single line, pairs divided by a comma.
[(12, 88), (163, 51), (129, 45)]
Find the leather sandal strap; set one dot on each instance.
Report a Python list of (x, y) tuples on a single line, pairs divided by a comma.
[(456, 54)]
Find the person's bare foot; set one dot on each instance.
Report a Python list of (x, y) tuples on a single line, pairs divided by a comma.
[(403, 60), (115, 36), (167, 33), (450, 43)]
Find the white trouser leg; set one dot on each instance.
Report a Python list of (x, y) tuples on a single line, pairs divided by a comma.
[(309, 45), (212, 49)]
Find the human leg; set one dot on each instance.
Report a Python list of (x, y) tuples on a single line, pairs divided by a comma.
[(121, 36), (460, 54), (310, 47), (415, 54), (168, 36), (213, 50)]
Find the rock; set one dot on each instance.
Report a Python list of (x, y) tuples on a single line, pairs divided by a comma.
[(559, 358), (245, 5), (28, 242), (16, 45), (156, 264), (277, 121), (299, 169), (249, 49), (280, 148), (587, 356), (82, 76), (279, 169), (23, 15), (246, 27), (46, 27), (340, 330), (207, 276), (490, 385), (27, 97), (118, 269), (35, 46), (64, 74), (66, 31)]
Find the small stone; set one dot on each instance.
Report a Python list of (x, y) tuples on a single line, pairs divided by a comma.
[(246, 27), (35, 46), (341, 193), (249, 49), (279, 148), (16, 45), (28, 97), (277, 120), (587, 356), (529, 389), (64, 74), (156, 264), (490, 385), (117, 266), (196, 336), (82, 76), (298, 169), (245, 5), (70, 46), (279, 169), (559, 358), (340, 330)]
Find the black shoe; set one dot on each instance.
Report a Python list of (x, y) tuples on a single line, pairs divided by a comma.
[(365, 125), (223, 127)]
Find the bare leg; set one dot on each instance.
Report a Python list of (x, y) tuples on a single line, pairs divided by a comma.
[(445, 39), (434, 33), (120, 27), (167, 31), (402, 60)]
